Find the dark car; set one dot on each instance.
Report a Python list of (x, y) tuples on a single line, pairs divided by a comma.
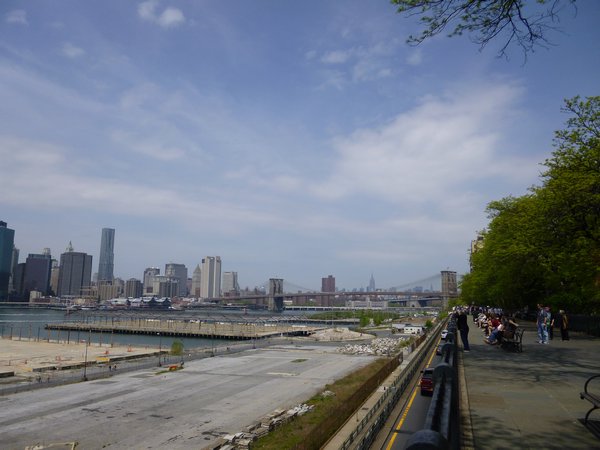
[(426, 382), (438, 350)]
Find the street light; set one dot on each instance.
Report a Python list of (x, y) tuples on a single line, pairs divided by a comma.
[(159, 348), (85, 360)]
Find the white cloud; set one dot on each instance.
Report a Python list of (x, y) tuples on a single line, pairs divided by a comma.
[(169, 17), (434, 150), (71, 51), (17, 16), (415, 58), (150, 147), (336, 57)]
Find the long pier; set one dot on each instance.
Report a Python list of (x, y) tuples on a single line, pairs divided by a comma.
[(187, 328)]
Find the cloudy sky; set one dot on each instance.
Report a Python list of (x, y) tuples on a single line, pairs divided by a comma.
[(293, 139)]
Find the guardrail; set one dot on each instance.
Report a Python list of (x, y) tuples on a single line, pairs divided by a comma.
[(442, 426), (377, 416)]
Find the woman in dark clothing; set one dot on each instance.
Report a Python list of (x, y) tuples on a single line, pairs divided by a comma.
[(563, 322), (463, 327)]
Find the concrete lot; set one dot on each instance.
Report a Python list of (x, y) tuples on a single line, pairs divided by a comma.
[(28, 358), (177, 410)]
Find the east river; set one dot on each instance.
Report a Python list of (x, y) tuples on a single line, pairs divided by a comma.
[(29, 323)]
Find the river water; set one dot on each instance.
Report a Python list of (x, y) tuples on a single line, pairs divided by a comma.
[(29, 323)]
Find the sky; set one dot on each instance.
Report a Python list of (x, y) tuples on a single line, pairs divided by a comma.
[(294, 140)]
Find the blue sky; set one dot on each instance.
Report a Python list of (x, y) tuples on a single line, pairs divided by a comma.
[(293, 139)]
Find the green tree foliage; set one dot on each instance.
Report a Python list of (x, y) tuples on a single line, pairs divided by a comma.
[(544, 247), (525, 23), (177, 348)]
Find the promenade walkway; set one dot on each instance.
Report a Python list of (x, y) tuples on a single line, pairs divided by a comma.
[(528, 400)]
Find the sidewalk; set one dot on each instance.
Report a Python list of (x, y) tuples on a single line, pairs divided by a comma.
[(528, 400)]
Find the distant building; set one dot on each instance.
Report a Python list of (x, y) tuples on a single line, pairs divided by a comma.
[(230, 283), (107, 290), (54, 272), (179, 272), (328, 284), (149, 275), (7, 242), (13, 267), (18, 280), (37, 273), (106, 260), (476, 245), (371, 287), (196, 282), (75, 273), (164, 286), (133, 288), (211, 277)]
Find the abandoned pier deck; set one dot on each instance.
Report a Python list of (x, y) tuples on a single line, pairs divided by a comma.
[(187, 328)]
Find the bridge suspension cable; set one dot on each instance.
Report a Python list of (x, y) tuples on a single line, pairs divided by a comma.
[(433, 282)]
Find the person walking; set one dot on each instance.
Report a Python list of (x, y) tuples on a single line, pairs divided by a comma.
[(542, 325), (463, 328), (563, 323)]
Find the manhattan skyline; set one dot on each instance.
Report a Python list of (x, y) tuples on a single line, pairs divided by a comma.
[(293, 140)]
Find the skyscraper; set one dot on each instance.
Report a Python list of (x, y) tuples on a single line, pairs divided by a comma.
[(230, 283), (75, 272), (7, 242), (211, 277), (179, 272), (196, 282), (106, 262), (37, 273)]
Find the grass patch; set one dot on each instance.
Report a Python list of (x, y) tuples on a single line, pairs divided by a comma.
[(329, 413), (299, 360)]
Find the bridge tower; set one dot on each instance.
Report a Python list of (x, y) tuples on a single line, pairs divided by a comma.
[(449, 287), (276, 294)]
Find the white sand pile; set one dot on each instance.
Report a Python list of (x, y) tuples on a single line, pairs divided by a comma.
[(339, 334)]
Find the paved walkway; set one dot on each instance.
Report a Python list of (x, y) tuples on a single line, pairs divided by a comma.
[(528, 400)]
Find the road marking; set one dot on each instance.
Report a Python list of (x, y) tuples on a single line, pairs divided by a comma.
[(405, 413)]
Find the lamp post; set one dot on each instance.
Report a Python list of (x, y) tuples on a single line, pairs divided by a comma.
[(159, 348), (85, 359)]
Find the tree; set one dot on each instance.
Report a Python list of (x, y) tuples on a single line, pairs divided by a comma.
[(544, 247), (521, 22)]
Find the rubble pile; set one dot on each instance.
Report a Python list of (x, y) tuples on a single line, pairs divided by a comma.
[(244, 439), (339, 334), (377, 347)]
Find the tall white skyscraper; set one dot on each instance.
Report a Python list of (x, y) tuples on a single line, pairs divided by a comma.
[(107, 247), (210, 286)]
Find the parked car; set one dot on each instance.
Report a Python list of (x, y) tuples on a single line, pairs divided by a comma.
[(426, 382), (444, 334)]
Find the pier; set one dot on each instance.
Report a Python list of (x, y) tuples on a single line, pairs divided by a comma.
[(187, 328)]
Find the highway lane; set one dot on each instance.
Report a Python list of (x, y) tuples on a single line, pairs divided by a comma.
[(412, 414)]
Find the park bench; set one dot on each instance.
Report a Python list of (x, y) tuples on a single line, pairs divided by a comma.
[(593, 398), (514, 341)]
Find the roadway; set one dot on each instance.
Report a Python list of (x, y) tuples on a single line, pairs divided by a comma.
[(409, 416)]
